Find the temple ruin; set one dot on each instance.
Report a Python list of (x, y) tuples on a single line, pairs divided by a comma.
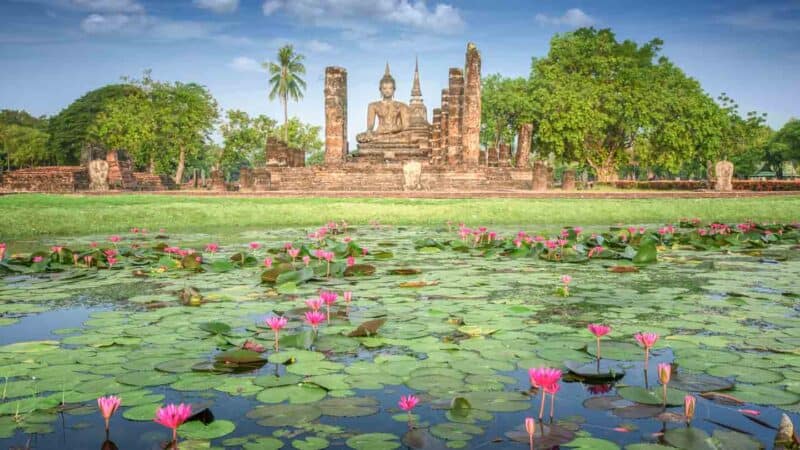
[(401, 149)]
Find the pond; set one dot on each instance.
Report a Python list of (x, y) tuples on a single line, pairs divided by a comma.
[(454, 316)]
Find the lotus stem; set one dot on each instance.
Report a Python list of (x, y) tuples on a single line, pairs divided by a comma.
[(276, 340), (664, 390), (552, 406), (541, 407), (530, 437), (598, 349), (646, 358)]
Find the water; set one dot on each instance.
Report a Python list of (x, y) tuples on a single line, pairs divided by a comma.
[(696, 308)]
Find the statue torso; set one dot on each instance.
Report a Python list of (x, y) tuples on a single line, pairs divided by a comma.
[(389, 114)]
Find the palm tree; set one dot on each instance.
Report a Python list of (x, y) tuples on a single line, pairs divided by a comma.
[(285, 80)]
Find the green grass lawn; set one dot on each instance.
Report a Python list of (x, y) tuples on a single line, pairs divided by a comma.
[(31, 215)]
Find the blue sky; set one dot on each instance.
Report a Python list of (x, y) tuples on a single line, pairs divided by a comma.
[(53, 51)]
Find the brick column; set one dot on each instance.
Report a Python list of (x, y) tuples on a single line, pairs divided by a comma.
[(335, 115), (471, 122), (524, 145), (455, 106)]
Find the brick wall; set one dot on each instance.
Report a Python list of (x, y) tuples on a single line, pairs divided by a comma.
[(47, 179)]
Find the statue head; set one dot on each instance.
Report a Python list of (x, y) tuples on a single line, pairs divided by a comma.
[(387, 85)]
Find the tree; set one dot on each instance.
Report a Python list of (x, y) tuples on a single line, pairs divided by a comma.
[(285, 80), (306, 137), (784, 145), (25, 146), (506, 104), (69, 129), (160, 124), (744, 139), (244, 138), (606, 102)]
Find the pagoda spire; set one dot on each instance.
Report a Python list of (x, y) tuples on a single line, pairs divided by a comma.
[(415, 89)]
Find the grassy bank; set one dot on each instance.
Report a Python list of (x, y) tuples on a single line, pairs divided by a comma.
[(32, 215)]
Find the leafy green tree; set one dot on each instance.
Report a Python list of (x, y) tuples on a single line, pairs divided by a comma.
[(24, 118), (160, 124), (244, 138), (285, 80), (304, 136), (744, 139), (506, 103), (606, 102), (25, 146), (784, 145), (69, 129)]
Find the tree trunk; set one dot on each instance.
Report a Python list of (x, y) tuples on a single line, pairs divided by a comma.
[(285, 120), (152, 166), (606, 172), (181, 164)]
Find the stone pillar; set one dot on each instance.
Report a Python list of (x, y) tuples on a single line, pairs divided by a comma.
[(471, 122), (335, 115), (245, 179), (436, 135), (455, 106), (493, 156), (724, 176), (568, 180), (540, 176), (524, 145)]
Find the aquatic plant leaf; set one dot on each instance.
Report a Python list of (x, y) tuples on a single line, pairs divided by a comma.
[(284, 415), (368, 328), (651, 397), (373, 441), (198, 430), (689, 439), (215, 327)]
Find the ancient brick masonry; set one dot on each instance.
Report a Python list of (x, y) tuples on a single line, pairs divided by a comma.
[(471, 120), (279, 154), (335, 115), (47, 179), (524, 146), (455, 106)]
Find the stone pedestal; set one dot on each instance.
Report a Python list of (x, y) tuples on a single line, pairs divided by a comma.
[(723, 180), (335, 115), (98, 175), (568, 180), (524, 146), (471, 121), (540, 176)]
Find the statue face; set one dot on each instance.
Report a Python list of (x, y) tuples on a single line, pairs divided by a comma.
[(387, 89)]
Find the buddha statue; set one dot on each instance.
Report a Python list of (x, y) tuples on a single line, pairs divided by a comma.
[(393, 117)]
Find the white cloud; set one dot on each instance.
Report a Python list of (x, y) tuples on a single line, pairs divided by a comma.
[(218, 6), (574, 17), (149, 27), (765, 18), (245, 64), (440, 18), (316, 46), (109, 6)]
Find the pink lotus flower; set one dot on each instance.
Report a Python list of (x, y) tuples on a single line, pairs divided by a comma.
[(364, 251), (530, 427), (87, 260), (351, 261), (599, 331), (597, 389), (172, 416), (287, 246), (268, 262), (212, 248), (2, 250), (306, 260), (646, 340), (108, 406), (110, 253), (293, 252), (135, 230), (578, 230), (114, 238), (75, 258), (328, 256), (253, 346), (544, 378), (255, 246), (93, 244), (348, 296), (329, 298), (37, 259), (111, 261), (688, 407), (407, 403), (56, 249), (277, 323), (314, 318), (314, 303)]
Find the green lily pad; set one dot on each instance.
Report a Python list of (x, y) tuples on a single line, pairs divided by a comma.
[(198, 430), (651, 397), (374, 441)]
